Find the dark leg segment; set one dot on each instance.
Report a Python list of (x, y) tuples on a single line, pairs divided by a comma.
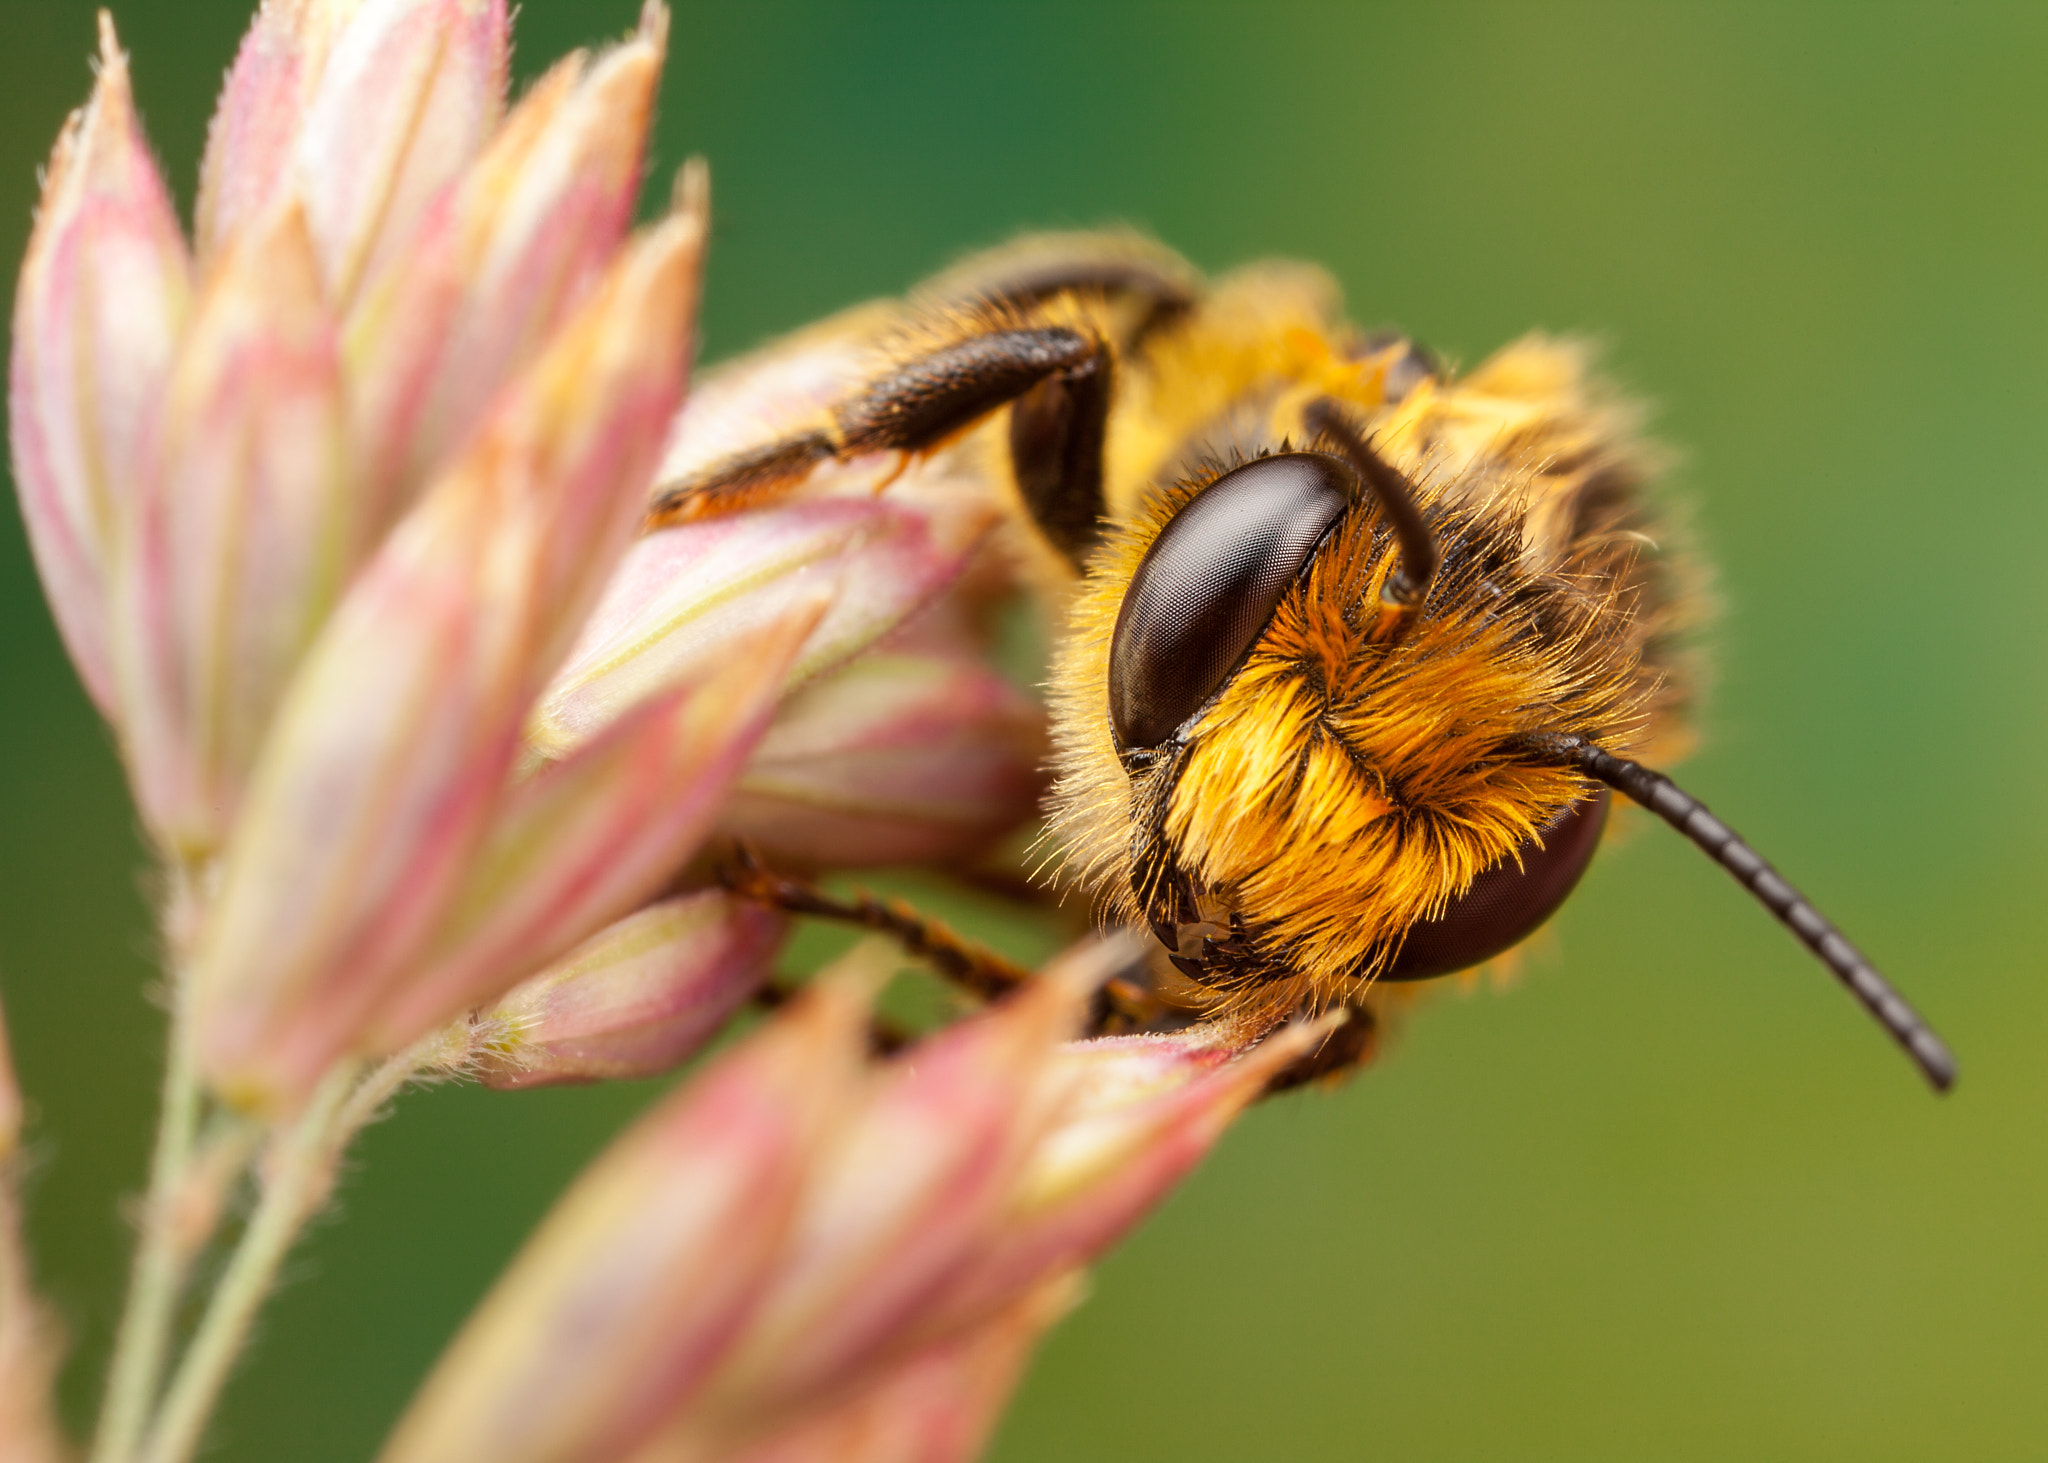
[(921, 404), (743, 478), (1057, 430), (973, 967), (1124, 1003)]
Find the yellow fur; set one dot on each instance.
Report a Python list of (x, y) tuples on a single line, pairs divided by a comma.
[(1339, 790), (1340, 787)]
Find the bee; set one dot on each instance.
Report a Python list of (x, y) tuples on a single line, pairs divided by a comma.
[(1354, 651)]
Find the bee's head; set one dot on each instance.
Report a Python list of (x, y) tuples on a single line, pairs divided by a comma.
[(1319, 779), (1321, 726)]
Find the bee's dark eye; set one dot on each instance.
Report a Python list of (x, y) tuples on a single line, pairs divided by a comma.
[(1507, 901), (1209, 584)]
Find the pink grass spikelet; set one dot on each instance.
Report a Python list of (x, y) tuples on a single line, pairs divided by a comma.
[(105, 288), (634, 1000), (243, 532), (342, 511), (396, 743), (914, 753), (936, 1222)]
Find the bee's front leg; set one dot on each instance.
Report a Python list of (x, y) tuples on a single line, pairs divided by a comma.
[(1059, 378)]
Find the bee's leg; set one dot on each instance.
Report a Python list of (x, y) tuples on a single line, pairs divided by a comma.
[(1127, 1003), (965, 964), (1120, 1007), (1057, 431), (1349, 1046), (1063, 376)]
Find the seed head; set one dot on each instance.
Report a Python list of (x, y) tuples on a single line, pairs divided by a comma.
[(806, 1243)]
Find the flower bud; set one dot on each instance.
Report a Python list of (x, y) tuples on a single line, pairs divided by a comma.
[(907, 1194), (255, 126), (897, 757), (411, 90), (634, 1000), (499, 262), (583, 841), (933, 1228), (1142, 1112), (30, 1354), (628, 1294), (1104, 1130), (365, 109), (684, 594), (241, 538), (938, 1407), (393, 746), (105, 286)]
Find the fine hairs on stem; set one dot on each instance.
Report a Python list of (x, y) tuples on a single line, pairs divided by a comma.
[(142, 1340), (296, 1174)]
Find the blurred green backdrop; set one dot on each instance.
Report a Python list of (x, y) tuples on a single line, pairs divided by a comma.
[(1673, 1197)]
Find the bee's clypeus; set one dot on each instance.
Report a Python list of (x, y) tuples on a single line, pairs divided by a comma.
[(1355, 649)]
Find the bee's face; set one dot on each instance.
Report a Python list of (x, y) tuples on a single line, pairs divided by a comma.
[(1326, 800)]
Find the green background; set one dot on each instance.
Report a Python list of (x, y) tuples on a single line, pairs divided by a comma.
[(1672, 1197)]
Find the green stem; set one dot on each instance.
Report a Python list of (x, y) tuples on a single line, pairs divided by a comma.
[(143, 1340), (298, 1175)]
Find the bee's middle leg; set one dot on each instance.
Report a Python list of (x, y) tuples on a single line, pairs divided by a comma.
[(963, 963)]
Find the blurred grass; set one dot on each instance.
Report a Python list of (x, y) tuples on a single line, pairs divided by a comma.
[(1670, 1197)]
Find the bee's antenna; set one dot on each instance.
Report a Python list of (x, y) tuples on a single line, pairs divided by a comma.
[(1689, 816), (1410, 580)]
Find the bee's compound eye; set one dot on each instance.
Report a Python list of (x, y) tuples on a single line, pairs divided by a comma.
[(1210, 582), (1507, 901)]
